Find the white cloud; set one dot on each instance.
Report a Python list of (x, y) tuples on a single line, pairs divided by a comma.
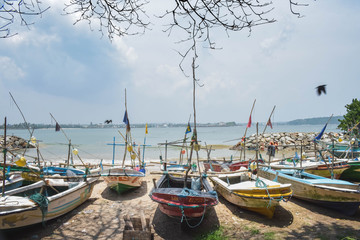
[(9, 71), (271, 44), (279, 64), (125, 53)]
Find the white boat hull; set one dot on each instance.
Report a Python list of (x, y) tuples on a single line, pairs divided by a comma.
[(27, 212)]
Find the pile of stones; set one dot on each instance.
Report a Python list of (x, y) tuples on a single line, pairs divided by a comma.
[(14, 142), (286, 140)]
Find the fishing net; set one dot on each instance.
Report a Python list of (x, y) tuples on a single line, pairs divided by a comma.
[(43, 203)]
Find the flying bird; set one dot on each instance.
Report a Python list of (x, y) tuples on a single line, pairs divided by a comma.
[(321, 89), (108, 121)]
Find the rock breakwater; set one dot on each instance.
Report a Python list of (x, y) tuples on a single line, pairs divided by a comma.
[(14, 142), (286, 140)]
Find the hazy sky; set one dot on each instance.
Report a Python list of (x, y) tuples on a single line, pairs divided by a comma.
[(80, 77)]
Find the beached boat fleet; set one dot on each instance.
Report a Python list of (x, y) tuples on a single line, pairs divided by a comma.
[(35, 193), (32, 194)]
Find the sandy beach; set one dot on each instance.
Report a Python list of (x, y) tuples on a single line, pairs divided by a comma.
[(101, 217)]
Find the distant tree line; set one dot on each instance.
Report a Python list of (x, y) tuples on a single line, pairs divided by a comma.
[(307, 121), (316, 121)]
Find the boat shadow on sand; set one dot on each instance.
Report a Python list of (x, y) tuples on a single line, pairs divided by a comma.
[(282, 217), (112, 195), (325, 211), (172, 228), (329, 226)]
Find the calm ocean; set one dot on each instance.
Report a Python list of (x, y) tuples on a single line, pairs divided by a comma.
[(92, 144)]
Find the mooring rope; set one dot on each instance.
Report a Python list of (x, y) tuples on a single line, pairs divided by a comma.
[(261, 184), (187, 222)]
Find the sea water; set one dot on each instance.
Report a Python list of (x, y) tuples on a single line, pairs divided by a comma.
[(96, 144)]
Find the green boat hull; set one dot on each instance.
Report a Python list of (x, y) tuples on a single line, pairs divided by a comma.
[(352, 173), (121, 188)]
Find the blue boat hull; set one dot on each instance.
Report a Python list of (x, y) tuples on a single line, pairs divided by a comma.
[(335, 194)]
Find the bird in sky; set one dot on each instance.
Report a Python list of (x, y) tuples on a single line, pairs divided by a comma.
[(108, 121), (321, 89)]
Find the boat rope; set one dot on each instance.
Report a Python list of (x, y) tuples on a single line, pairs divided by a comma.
[(125, 172), (276, 177), (227, 179), (332, 170), (7, 174), (43, 203), (86, 173), (168, 180), (187, 222), (211, 166), (261, 184)]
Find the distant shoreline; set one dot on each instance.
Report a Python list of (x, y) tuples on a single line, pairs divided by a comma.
[(307, 121)]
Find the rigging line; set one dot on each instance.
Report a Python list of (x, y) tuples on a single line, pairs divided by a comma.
[(60, 128), (89, 153), (27, 125), (52, 153)]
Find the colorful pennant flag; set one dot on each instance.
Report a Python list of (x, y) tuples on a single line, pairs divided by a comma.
[(269, 123), (249, 123), (146, 129), (188, 128)]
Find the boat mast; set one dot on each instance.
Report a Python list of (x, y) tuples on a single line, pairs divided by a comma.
[(4, 166), (247, 126), (269, 120), (257, 147), (126, 134), (194, 140), (30, 132)]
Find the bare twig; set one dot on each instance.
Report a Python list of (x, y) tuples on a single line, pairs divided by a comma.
[(116, 18), (12, 11)]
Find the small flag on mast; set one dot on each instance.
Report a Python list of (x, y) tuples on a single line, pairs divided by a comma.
[(318, 137), (57, 127), (249, 123), (146, 129), (188, 128), (269, 123), (126, 121)]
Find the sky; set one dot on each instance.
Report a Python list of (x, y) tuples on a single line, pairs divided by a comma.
[(80, 76)]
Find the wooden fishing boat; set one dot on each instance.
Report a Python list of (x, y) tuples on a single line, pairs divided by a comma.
[(251, 192), (216, 166), (39, 202), (34, 174), (122, 179), (13, 181), (191, 201), (344, 150), (223, 166), (311, 166), (353, 172), (174, 167), (324, 170), (336, 194), (237, 165)]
